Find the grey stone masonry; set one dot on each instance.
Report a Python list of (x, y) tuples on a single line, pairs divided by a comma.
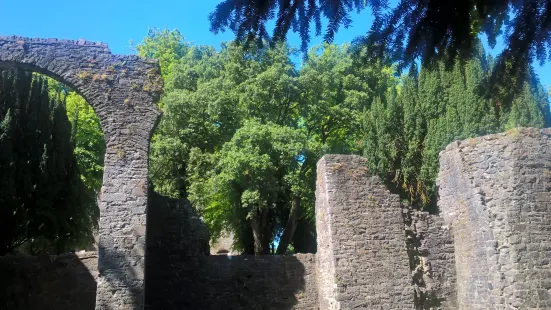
[(495, 194), (246, 282), (362, 257), (123, 91), (66, 281), (176, 240), (490, 250), (432, 260)]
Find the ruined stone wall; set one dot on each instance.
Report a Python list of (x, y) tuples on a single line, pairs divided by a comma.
[(494, 193), (491, 249), (176, 240), (66, 281), (432, 260), (215, 282), (123, 91), (246, 282), (180, 274), (383, 254), (362, 256)]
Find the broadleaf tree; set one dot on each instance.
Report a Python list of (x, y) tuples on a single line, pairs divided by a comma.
[(211, 94)]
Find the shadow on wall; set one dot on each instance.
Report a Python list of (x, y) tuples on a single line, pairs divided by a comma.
[(180, 273), (237, 282), (253, 282), (48, 282), (118, 273), (175, 237)]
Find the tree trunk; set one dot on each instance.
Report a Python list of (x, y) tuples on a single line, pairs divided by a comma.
[(259, 225), (290, 227)]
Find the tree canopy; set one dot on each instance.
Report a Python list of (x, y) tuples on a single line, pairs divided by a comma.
[(243, 128), (285, 118), (411, 29), (405, 132)]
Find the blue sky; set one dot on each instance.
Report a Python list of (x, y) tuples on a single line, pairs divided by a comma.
[(116, 22)]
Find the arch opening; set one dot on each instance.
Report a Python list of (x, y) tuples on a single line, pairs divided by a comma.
[(51, 166), (53, 77), (123, 91)]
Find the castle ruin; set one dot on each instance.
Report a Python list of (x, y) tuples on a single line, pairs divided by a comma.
[(488, 248), (123, 91)]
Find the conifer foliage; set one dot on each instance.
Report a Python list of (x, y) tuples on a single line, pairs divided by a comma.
[(405, 132), (403, 30), (44, 206)]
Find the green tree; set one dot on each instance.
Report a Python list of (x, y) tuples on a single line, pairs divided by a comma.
[(383, 139), (211, 95), (200, 110), (168, 46), (403, 140), (404, 31), (334, 93), (257, 178), (86, 133), (208, 97), (44, 204), (87, 139)]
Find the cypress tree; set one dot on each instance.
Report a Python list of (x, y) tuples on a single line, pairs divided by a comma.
[(442, 105), (412, 138), (43, 203)]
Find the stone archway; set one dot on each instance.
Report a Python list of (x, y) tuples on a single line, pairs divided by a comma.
[(123, 91)]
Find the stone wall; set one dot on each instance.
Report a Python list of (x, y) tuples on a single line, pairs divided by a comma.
[(212, 282), (362, 256), (180, 274), (491, 249), (176, 240), (432, 260), (247, 282), (48, 282), (494, 193)]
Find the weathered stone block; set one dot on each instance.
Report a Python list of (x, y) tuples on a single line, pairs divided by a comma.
[(371, 272), (499, 217)]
